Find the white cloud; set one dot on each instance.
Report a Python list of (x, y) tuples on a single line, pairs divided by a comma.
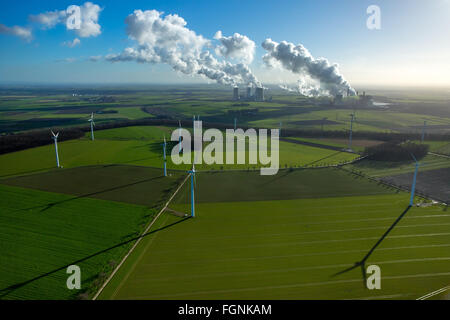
[(236, 46), (49, 19), (72, 44), (89, 20), (89, 16), (21, 32)]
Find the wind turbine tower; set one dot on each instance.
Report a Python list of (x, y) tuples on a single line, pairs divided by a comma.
[(55, 138), (91, 120), (413, 187), (179, 135), (192, 173), (165, 160), (235, 124)]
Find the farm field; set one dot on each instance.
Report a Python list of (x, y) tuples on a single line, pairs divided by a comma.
[(381, 169), (296, 184), (141, 146), (26, 109), (42, 233), (128, 184), (288, 249), (253, 237), (434, 183), (358, 145)]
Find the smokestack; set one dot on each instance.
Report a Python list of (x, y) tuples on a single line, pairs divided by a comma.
[(236, 94), (249, 92), (259, 94)]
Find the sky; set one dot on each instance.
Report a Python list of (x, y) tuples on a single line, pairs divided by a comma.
[(412, 48)]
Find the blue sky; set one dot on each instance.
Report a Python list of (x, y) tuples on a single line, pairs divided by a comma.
[(412, 47)]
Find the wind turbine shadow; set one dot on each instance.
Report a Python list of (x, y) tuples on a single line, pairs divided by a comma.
[(26, 172), (5, 291), (45, 207), (327, 157), (362, 263)]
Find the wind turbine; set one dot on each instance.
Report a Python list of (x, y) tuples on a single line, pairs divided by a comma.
[(423, 130), (55, 138), (91, 120), (353, 118), (193, 182), (164, 151), (235, 124), (179, 135), (413, 187)]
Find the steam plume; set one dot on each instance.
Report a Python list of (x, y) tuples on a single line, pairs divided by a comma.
[(319, 76)]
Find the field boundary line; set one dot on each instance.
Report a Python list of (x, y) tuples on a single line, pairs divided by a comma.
[(431, 294), (284, 286), (139, 240), (439, 155)]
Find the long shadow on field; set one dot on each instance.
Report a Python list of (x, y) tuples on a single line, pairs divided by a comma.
[(26, 172), (362, 263), (278, 176), (327, 157), (4, 292), (142, 159), (45, 207)]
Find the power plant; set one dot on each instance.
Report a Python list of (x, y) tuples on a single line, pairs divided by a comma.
[(235, 93), (257, 96)]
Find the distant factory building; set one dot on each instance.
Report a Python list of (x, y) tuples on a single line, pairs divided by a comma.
[(236, 94), (259, 94)]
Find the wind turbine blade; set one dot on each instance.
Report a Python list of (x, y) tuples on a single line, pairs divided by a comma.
[(415, 160)]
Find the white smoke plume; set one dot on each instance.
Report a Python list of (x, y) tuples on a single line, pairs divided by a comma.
[(89, 27), (166, 39), (236, 46), (17, 31), (297, 59), (306, 87)]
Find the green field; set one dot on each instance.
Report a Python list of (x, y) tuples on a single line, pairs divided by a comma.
[(91, 222), (42, 233), (253, 237), (245, 245), (288, 250), (141, 146), (381, 169), (30, 108)]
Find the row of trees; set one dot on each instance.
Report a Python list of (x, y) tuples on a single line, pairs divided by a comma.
[(391, 151)]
